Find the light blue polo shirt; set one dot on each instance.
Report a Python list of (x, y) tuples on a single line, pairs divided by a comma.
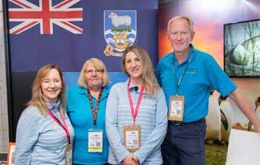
[(202, 74)]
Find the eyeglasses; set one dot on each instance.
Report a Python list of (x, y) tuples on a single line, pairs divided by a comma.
[(91, 71)]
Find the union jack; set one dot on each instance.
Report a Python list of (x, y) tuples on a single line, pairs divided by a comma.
[(46, 15)]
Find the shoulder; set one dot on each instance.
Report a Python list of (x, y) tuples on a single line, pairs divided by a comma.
[(119, 86), (166, 58), (75, 91), (106, 90), (31, 113), (164, 63), (160, 93), (200, 55)]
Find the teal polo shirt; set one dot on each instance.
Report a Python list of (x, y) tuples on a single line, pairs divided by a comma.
[(80, 114), (202, 74)]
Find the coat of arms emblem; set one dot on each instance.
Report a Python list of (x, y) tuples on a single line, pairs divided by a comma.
[(119, 31)]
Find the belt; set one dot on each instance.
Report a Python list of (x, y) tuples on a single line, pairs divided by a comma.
[(179, 123)]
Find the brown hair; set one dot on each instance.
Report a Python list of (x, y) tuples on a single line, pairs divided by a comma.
[(37, 95), (149, 80)]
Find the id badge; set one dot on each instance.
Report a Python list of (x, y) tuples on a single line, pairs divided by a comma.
[(68, 155), (176, 108), (95, 140), (132, 137)]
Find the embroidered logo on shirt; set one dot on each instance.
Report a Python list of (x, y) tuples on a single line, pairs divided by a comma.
[(191, 70)]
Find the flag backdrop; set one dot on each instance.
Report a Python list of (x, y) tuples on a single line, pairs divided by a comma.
[(67, 33)]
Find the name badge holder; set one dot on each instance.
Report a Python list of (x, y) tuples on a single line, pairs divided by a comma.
[(95, 140), (176, 108), (68, 154), (132, 137)]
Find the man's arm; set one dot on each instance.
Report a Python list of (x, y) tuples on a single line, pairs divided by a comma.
[(246, 108)]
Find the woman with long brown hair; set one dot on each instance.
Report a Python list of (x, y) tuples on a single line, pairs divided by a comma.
[(136, 113)]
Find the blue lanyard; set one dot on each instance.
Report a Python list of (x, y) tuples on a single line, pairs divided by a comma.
[(178, 83)]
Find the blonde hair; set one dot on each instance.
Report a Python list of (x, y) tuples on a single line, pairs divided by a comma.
[(37, 95), (188, 19), (97, 64), (149, 80)]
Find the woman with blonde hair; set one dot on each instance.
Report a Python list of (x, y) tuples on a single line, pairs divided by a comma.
[(86, 106), (44, 132), (136, 113)]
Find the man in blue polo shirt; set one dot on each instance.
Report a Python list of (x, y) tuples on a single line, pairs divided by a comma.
[(187, 76)]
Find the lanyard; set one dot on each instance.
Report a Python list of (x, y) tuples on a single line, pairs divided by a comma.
[(184, 72), (64, 125), (94, 110), (134, 111)]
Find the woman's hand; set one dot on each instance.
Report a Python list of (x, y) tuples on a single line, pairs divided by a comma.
[(131, 160)]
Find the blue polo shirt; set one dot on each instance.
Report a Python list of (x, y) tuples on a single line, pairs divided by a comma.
[(202, 74)]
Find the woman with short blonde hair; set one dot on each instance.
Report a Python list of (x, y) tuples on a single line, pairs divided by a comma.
[(86, 106), (98, 64)]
